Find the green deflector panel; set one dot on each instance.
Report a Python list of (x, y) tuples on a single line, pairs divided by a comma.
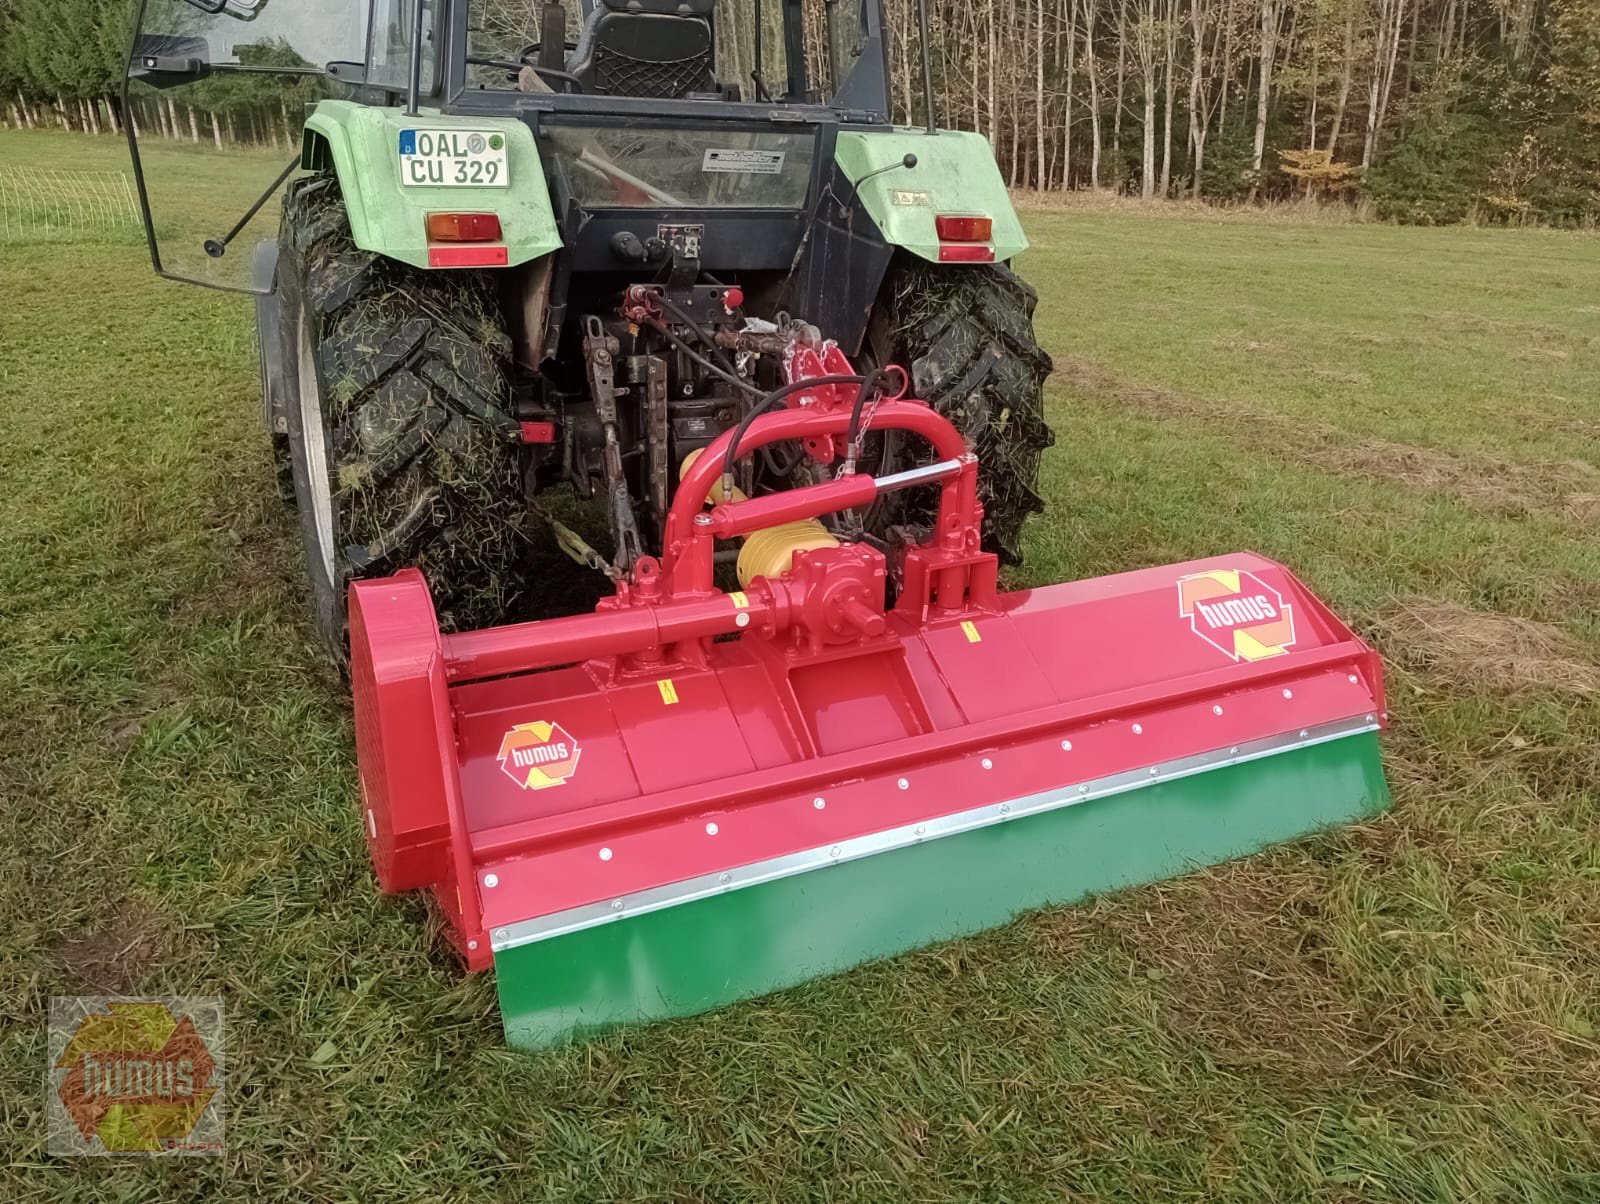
[(700, 955)]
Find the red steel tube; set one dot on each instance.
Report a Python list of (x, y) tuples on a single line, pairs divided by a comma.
[(842, 493), (693, 490), (545, 643)]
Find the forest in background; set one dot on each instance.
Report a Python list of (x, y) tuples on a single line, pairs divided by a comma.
[(1429, 111)]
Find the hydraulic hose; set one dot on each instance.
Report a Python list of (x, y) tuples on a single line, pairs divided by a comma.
[(767, 402)]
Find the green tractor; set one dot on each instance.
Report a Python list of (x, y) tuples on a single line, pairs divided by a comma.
[(524, 247)]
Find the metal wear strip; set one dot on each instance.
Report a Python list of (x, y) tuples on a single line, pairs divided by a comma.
[(574, 919)]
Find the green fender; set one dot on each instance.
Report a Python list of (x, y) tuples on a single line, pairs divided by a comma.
[(361, 144), (955, 173)]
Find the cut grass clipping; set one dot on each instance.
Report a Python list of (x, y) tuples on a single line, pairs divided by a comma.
[(1401, 1011)]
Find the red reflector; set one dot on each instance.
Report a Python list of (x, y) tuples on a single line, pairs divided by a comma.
[(467, 257), (464, 227), (967, 253), (963, 227), (538, 432)]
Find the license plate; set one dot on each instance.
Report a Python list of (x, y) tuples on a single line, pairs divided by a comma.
[(453, 159)]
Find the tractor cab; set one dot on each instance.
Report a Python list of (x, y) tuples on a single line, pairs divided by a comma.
[(635, 104)]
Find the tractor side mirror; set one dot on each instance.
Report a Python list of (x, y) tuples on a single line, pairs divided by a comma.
[(243, 10), (168, 60)]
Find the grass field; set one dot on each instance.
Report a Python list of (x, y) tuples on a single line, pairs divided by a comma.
[(1404, 1011)]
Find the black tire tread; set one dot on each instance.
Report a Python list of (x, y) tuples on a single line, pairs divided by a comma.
[(967, 334), (416, 384)]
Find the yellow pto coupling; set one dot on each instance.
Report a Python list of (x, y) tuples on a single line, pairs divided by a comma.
[(769, 552)]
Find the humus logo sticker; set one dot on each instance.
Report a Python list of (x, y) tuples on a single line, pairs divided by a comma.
[(538, 754), (1237, 613)]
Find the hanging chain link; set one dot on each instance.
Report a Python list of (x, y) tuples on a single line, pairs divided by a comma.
[(573, 544)]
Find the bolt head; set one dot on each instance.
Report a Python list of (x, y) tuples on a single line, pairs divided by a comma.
[(1066, 746), (921, 830), (903, 784), (491, 880), (1288, 693), (500, 934), (472, 944), (1005, 808), (988, 764), (1354, 679), (1304, 733), (833, 852), (605, 854), (616, 905), (819, 803), (1216, 710), (1154, 772), (724, 878), (1083, 790), (711, 829), (1138, 729), (1234, 751), (741, 619)]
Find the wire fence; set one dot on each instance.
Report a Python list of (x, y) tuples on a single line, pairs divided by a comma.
[(38, 203)]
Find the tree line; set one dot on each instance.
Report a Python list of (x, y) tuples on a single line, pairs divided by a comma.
[(1431, 110), (1435, 110)]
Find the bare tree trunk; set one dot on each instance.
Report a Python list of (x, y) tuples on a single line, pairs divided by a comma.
[(1122, 79), (172, 118), (1090, 57), (1227, 61), (1198, 11), (61, 113), (216, 132), (1390, 15), (111, 116), (1038, 98), (994, 109), (1070, 8), (1169, 30), (1269, 48), (1145, 49), (1345, 74), (194, 126)]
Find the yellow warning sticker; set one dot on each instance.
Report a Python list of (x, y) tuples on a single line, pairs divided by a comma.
[(971, 628), (740, 602), (669, 692)]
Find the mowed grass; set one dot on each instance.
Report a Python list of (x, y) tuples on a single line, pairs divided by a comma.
[(1405, 1010)]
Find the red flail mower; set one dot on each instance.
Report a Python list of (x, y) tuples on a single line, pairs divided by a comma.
[(695, 795)]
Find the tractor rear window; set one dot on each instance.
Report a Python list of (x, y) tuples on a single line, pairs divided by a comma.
[(618, 167)]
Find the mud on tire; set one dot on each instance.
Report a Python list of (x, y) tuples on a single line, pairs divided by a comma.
[(967, 333), (412, 375)]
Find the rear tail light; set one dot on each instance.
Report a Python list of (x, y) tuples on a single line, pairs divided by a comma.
[(965, 253), (963, 227), (464, 227)]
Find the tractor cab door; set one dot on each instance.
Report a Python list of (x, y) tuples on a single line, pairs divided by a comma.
[(217, 94)]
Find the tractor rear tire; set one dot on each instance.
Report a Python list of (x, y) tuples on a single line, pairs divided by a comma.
[(402, 443), (967, 334)]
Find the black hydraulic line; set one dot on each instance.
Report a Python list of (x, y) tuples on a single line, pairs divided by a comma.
[(869, 385), (766, 403), (699, 331)]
